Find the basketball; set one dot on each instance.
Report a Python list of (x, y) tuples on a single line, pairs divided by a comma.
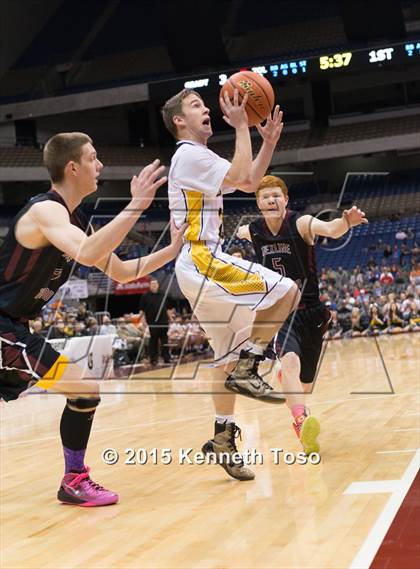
[(260, 94)]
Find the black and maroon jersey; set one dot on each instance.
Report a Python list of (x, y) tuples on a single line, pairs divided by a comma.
[(29, 278), (287, 254)]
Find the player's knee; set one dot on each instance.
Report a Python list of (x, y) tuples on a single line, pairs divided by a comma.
[(294, 296), (82, 404), (291, 361)]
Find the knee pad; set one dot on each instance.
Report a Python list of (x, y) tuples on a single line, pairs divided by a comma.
[(84, 402)]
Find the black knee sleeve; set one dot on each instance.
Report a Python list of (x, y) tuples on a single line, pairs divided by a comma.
[(84, 402)]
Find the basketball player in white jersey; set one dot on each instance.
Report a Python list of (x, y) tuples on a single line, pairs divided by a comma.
[(238, 304)]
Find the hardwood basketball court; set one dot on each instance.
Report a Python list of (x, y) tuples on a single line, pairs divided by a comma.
[(330, 515)]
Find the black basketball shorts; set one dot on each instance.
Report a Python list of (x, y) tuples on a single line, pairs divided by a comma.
[(302, 333), (26, 359)]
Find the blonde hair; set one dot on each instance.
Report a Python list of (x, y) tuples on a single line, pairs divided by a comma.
[(272, 182), (60, 150), (172, 107)]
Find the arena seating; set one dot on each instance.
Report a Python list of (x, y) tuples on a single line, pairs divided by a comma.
[(372, 129), (363, 244), (126, 155)]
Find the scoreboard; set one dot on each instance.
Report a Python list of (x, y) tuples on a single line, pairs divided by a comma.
[(328, 64)]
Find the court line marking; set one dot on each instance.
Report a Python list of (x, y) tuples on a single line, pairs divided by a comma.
[(372, 487), (395, 451), (404, 430), (373, 541), (179, 420)]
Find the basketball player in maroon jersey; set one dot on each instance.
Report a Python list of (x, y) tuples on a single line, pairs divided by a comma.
[(284, 241), (46, 237)]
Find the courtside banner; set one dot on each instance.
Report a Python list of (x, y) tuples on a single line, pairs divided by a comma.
[(139, 286), (92, 353)]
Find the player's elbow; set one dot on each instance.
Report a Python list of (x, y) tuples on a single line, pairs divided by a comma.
[(121, 276), (245, 185), (86, 260)]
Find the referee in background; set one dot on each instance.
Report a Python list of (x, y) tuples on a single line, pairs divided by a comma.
[(154, 306)]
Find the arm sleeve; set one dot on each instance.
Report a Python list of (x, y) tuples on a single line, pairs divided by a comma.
[(197, 168)]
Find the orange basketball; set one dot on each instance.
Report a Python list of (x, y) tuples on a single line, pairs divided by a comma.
[(260, 94)]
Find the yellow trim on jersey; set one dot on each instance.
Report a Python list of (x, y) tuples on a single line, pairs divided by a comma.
[(54, 374), (231, 278), (195, 201)]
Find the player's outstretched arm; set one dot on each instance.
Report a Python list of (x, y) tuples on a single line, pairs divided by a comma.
[(310, 226), (126, 271), (239, 173), (243, 232), (270, 133), (53, 220)]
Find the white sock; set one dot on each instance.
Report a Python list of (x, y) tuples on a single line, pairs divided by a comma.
[(255, 349), (225, 419)]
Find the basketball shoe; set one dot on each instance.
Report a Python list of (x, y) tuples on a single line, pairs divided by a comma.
[(79, 489), (307, 429), (245, 380), (224, 446)]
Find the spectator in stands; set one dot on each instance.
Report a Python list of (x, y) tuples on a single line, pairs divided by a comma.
[(176, 335), (69, 329), (331, 276), (133, 339), (92, 328), (386, 277), (341, 277), (37, 327), (415, 275), (107, 327), (237, 252), (387, 251), (335, 329), (395, 254), (376, 323), (404, 253), (57, 330), (83, 313), (196, 338), (79, 329), (154, 306), (358, 323), (401, 235), (393, 319)]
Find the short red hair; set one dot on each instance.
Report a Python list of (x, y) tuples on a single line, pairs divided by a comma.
[(273, 182)]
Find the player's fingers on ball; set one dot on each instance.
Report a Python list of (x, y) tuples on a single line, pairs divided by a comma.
[(244, 100), (222, 104), (235, 97)]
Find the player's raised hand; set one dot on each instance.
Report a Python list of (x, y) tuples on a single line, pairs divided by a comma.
[(177, 234), (144, 186), (271, 131), (354, 216), (234, 113), (242, 232)]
